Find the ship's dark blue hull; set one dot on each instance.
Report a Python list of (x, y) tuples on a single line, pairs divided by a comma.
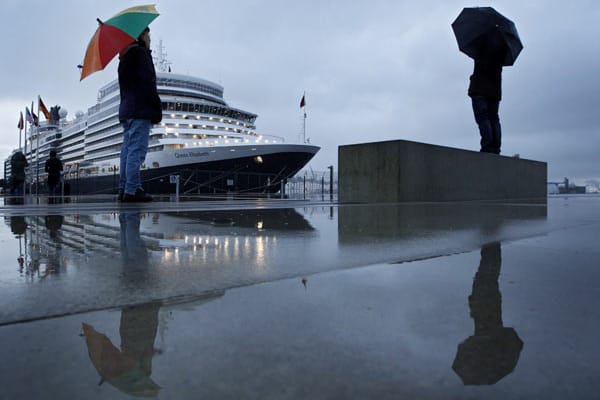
[(240, 175)]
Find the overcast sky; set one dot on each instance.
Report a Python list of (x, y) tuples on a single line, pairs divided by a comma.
[(372, 70)]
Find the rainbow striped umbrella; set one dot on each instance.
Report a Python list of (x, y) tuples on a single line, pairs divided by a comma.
[(114, 35)]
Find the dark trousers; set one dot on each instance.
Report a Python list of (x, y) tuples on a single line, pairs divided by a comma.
[(486, 116)]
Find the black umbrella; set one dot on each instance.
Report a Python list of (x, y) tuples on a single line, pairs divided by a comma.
[(482, 32)]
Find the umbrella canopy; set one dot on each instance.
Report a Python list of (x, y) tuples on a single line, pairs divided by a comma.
[(485, 359), (116, 368), (482, 32), (114, 35)]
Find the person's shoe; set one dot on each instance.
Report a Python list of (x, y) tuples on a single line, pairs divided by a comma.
[(138, 197), (120, 195)]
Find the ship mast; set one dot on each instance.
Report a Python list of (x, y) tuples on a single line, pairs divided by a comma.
[(161, 62)]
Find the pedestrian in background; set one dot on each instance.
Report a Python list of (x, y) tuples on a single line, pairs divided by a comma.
[(18, 162), (53, 168)]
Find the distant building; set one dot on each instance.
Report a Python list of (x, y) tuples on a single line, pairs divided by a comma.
[(565, 187)]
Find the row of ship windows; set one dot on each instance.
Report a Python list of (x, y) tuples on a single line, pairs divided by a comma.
[(209, 109), (154, 140), (169, 82), (186, 107), (189, 85), (204, 118), (107, 133)]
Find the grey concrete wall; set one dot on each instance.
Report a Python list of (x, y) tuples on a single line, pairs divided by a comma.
[(401, 170)]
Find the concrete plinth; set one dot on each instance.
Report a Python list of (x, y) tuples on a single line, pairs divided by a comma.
[(401, 170)]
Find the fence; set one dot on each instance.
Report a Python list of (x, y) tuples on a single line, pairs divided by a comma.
[(312, 185)]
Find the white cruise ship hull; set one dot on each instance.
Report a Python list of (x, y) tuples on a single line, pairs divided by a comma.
[(246, 169)]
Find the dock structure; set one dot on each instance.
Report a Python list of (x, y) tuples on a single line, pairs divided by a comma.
[(406, 171)]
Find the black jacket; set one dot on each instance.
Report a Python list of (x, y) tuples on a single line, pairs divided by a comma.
[(18, 162), (137, 82), (53, 167), (486, 80)]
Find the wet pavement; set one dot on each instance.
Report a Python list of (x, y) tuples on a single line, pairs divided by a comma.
[(299, 299)]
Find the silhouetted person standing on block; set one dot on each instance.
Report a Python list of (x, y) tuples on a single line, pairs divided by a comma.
[(485, 91)]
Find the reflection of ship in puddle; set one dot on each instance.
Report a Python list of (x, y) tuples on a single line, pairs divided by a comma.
[(268, 219), (39, 244), (388, 221), (216, 235), (128, 367)]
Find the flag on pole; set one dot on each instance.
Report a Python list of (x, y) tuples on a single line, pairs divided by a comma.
[(31, 117), (28, 116), (302, 102), (20, 124), (43, 109)]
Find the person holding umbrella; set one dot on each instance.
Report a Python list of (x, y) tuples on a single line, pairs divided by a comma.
[(493, 42), (485, 91), (54, 168), (140, 108), (128, 35)]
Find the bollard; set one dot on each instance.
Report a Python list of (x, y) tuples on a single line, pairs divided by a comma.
[(304, 188), (175, 179), (330, 182)]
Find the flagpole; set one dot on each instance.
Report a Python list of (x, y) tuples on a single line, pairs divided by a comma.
[(304, 124), (37, 151), (25, 152), (31, 150), (20, 129), (25, 137)]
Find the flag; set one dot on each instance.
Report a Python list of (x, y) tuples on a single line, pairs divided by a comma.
[(20, 124), (28, 116), (43, 109), (31, 117), (302, 102)]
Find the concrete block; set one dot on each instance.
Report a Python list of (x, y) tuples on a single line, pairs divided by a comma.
[(404, 171)]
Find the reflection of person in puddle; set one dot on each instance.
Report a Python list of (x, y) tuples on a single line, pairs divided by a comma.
[(128, 369), (53, 224), (133, 249), (493, 351), (18, 226)]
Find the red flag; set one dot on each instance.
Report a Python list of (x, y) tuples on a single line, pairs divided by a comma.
[(43, 109), (302, 102), (20, 124)]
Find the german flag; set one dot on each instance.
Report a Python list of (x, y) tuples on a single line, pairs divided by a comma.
[(43, 109)]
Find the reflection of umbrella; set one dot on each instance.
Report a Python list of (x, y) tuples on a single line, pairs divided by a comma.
[(120, 370), (114, 35), (481, 30), (485, 359)]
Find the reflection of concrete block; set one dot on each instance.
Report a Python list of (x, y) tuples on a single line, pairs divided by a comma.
[(409, 171)]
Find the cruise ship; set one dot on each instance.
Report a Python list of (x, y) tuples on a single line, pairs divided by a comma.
[(203, 145)]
